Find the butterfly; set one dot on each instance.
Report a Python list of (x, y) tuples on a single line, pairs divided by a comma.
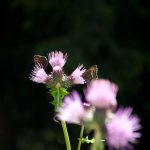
[(40, 60), (90, 74)]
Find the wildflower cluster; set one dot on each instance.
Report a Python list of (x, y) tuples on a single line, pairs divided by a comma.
[(57, 77), (99, 109)]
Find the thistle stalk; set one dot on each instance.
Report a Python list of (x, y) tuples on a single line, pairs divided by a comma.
[(80, 138), (63, 124)]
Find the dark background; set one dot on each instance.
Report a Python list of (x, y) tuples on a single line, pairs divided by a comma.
[(110, 33)]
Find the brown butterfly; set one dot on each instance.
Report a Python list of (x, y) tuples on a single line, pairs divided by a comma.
[(90, 74), (41, 60)]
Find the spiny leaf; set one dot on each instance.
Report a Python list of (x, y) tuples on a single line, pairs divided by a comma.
[(58, 95), (87, 140)]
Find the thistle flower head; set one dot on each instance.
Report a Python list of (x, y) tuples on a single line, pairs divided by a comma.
[(102, 94), (72, 110), (57, 60), (39, 75), (77, 75), (122, 129)]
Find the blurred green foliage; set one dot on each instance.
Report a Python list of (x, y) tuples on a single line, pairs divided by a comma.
[(110, 33)]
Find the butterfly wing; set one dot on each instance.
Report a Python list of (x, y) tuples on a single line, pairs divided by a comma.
[(90, 74), (40, 60), (94, 71)]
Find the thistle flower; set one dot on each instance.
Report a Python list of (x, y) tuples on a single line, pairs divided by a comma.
[(77, 75), (72, 110), (122, 129), (101, 93), (57, 60), (39, 75)]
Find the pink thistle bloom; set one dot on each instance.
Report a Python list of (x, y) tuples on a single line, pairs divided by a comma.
[(122, 129), (102, 94), (57, 60), (77, 75), (72, 110), (39, 75)]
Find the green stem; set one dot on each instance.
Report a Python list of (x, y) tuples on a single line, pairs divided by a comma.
[(80, 138), (98, 145), (63, 124), (58, 99), (66, 136)]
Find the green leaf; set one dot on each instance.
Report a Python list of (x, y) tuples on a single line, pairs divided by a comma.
[(58, 95), (87, 140)]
